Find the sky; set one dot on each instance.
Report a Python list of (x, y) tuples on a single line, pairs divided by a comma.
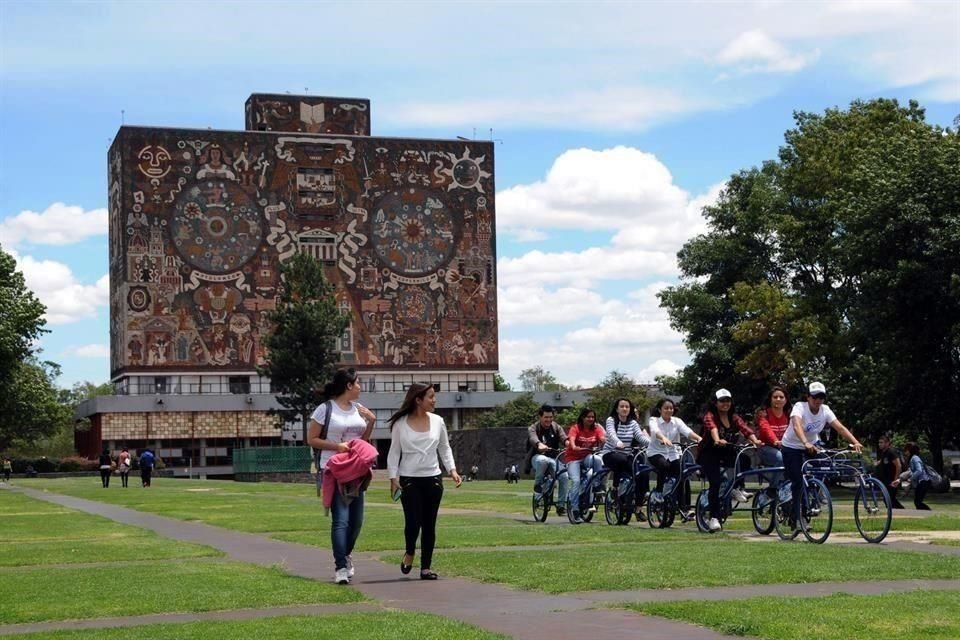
[(614, 122)]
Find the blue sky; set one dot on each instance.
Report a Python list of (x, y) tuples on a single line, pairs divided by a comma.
[(618, 122)]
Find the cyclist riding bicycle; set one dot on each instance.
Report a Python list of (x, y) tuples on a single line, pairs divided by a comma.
[(807, 420), (622, 431), (722, 427), (545, 440), (585, 436), (662, 453)]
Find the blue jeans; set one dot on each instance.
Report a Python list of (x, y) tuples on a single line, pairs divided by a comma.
[(346, 521), (793, 460), (540, 464), (771, 457), (573, 471)]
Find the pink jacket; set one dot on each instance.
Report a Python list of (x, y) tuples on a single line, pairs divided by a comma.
[(355, 464)]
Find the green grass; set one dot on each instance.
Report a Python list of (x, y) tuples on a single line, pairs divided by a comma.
[(946, 543), (695, 562), (385, 625), (931, 615), (38, 594)]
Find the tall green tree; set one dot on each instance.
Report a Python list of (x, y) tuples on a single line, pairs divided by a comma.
[(519, 412), (538, 379), (839, 261), (499, 384), (302, 353), (31, 404)]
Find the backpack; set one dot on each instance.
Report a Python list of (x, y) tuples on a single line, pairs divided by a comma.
[(938, 483), (328, 405)]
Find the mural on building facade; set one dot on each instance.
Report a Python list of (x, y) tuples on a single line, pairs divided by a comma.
[(308, 114), (200, 222)]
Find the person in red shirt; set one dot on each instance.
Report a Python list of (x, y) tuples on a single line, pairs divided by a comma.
[(772, 421), (582, 439), (721, 428)]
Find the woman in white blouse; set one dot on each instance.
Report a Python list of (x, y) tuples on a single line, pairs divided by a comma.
[(418, 435), (662, 453)]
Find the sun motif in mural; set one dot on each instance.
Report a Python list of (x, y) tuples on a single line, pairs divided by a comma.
[(466, 172), (216, 227), (413, 232)]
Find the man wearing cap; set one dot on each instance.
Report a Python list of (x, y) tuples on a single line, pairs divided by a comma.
[(807, 420)]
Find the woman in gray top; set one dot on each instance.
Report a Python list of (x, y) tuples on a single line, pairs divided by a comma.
[(623, 430)]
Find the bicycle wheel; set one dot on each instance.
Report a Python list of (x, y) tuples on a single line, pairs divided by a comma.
[(611, 506), (703, 511), (872, 510), (782, 521), (763, 512), (817, 519), (656, 511), (541, 507)]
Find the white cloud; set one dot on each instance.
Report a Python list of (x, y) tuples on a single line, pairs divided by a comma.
[(584, 268), (90, 351), (54, 284), (659, 368), (754, 51), (59, 224)]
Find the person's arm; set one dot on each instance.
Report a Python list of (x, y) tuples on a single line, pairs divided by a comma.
[(897, 469), (370, 418), (746, 431), (766, 431), (446, 453), (572, 439), (845, 433), (393, 458), (711, 430), (657, 434), (686, 431), (796, 423), (534, 440), (315, 441), (640, 436), (612, 438)]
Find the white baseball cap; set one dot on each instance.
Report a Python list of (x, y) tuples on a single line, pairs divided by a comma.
[(817, 387), (723, 393)]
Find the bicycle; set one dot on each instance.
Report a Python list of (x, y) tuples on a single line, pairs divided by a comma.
[(872, 506), (620, 503), (816, 513), (591, 495), (761, 508), (542, 502), (664, 506)]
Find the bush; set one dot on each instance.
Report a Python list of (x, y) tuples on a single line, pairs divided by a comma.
[(76, 463)]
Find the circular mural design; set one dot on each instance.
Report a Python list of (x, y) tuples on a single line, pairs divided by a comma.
[(466, 172), (138, 299), (216, 227), (415, 308), (413, 232)]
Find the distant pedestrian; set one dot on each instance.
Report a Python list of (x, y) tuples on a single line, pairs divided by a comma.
[(123, 466), (889, 468), (106, 468), (7, 469), (418, 443), (918, 475), (147, 462)]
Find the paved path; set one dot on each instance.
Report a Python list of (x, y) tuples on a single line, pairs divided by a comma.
[(519, 614)]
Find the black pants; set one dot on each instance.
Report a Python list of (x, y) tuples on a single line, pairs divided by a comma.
[(714, 460), (124, 477), (421, 502), (105, 477), (919, 493), (886, 480), (621, 464), (670, 469), (145, 474), (6, 475)]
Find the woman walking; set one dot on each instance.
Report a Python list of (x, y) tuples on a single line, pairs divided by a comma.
[(124, 467), (918, 475), (333, 425), (106, 468), (417, 437)]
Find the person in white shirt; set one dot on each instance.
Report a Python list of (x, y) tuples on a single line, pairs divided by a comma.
[(662, 453), (348, 421), (417, 437), (807, 420)]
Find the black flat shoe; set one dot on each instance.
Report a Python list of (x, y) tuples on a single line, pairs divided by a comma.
[(405, 568), (428, 575)]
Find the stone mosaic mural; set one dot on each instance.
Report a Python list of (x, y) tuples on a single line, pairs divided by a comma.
[(200, 222), (308, 114)]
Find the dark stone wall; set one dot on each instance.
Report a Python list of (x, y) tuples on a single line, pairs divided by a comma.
[(492, 450), (308, 114), (201, 220)]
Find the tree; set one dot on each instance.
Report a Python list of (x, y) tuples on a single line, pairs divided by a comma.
[(21, 321), (32, 408), (302, 352), (499, 384), (615, 386), (519, 412), (537, 379), (838, 261)]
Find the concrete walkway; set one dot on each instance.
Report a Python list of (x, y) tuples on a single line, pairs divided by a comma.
[(519, 614)]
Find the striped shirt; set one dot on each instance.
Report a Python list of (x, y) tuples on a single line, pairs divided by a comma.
[(626, 433)]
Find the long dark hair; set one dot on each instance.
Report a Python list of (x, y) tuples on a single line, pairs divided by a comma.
[(416, 392), (616, 416), (583, 416), (655, 412), (341, 379), (712, 408), (911, 449)]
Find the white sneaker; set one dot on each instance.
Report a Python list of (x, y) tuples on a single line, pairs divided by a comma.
[(350, 570), (713, 524), (738, 495), (342, 576)]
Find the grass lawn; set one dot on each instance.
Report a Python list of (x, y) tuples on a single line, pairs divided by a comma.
[(946, 543), (665, 565), (37, 594), (931, 615), (385, 625)]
